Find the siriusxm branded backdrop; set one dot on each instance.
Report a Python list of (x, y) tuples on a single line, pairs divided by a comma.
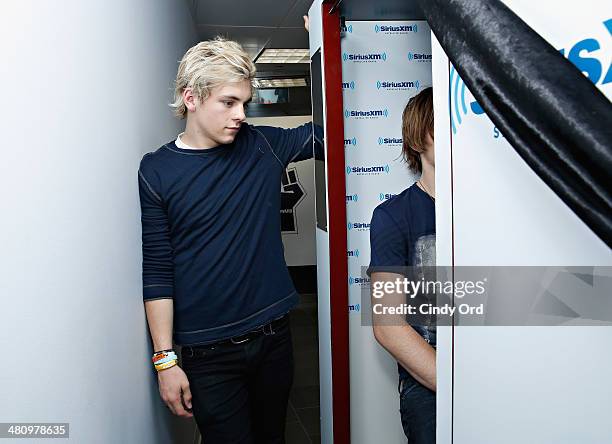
[(384, 64)]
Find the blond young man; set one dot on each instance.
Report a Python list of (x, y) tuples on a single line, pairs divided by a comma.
[(214, 275), (403, 234)]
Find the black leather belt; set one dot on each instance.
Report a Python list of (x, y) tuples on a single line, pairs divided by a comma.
[(267, 329)]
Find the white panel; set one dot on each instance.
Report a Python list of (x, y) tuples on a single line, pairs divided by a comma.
[(88, 86), (323, 272), (443, 236), (325, 352), (519, 384)]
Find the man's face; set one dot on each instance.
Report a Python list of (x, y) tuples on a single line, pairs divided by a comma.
[(218, 118)]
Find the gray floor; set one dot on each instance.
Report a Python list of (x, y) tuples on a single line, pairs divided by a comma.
[(303, 424)]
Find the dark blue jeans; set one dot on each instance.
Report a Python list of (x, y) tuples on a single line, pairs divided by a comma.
[(240, 391), (418, 411), (417, 402)]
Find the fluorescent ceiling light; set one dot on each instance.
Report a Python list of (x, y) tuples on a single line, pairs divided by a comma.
[(279, 83), (284, 56)]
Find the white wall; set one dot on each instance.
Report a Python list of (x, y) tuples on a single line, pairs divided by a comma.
[(84, 88), (300, 246)]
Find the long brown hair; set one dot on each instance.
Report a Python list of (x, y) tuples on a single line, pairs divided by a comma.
[(417, 122)]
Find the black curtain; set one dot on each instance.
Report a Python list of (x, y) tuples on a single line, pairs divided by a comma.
[(553, 116)]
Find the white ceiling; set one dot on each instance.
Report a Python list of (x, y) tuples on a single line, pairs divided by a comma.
[(256, 24)]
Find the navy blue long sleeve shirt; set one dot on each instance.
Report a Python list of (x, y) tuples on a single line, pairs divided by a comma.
[(211, 235)]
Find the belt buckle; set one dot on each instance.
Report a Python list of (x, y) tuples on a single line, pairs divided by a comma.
[(191, 353)]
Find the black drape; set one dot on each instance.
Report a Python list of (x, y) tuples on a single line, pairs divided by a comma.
[(553, 116)]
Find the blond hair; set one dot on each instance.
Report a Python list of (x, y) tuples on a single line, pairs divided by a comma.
[(209, 64), (417, 122)]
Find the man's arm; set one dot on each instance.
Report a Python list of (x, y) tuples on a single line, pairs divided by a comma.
[(173, 383), (294, 144), (159, 316), (400, 339), (158, 286)]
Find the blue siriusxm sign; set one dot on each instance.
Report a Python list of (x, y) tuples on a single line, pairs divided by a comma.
[(357, 280), (385, 196), (368, 170), (395, 29), (419, 56), (594, 65), (459, 108), (349, 28), (348, 85), (366, 114), (355, 307), (359, 226), (364, 57), (390, 141), (352, 198), (352, 253), (350, 142), (397, 86)]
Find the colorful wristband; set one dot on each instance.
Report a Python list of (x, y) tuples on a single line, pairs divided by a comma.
[(162, 351), (165, 359), (160, 356), (165, 365)]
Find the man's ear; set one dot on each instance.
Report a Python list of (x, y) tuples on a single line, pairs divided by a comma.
[(189, 99)]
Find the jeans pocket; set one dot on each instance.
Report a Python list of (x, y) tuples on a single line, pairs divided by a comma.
[(204, 354), (407, 385)]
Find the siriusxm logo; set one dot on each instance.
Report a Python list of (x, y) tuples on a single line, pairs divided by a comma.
[(398, 85), (386, 196), (368, 169), (352, 197), (458, 105), (350, 142), (370, 114), (396, 29), (389, 141), (591, 66), (355, 307), (352, 253), (359, 226), (348, 29), (356, 280), (364, 57), (419, 57), (348, 85)]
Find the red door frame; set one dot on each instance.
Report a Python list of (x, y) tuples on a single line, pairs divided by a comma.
[(336, 201)]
